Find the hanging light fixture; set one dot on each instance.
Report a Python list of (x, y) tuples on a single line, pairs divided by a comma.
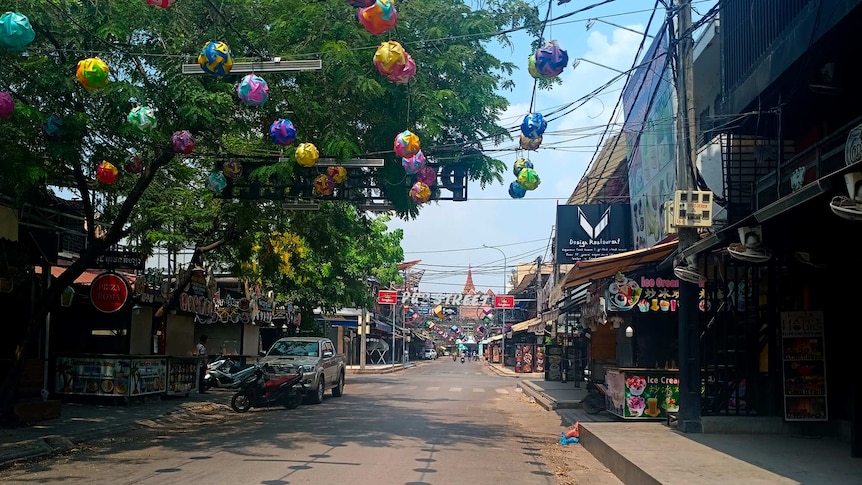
[(629, 332)]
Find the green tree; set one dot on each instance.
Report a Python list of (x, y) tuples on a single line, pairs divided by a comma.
[(347, 109)]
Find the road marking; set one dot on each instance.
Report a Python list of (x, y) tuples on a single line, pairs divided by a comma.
[(454, 389), (478, 389), (408, 388), (502, 391), (433, 389), (385, 387)]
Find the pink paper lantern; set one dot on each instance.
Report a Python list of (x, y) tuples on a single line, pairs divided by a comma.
[(406, 144), (160, 3), (413, 164), (7, 104), (107, 173), (183, 142), (427, 175), (403, 73)]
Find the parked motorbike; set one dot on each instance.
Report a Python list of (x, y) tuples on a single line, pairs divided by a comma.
[(594, 402), (225, 373), (462, 359), (264, 387)]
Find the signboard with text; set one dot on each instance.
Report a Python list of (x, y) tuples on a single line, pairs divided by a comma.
[(590, 231), (387, 297), (109, 292), (504, 301)]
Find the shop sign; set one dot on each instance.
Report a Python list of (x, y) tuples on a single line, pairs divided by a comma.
[(642, 394), (387, 297), (804, 365), (590, 231), (122, 259), (853, 146), (109, 292), (98, 376), (504, 301), (200, 305), (449, 299)]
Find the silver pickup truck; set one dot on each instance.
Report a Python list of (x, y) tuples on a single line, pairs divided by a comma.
[(315, 356)]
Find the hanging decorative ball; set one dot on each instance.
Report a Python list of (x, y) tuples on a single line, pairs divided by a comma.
[(406, 144), (337, 174), (282, 132), (551, 60), (388, 54), (517, 191), (134, 164), (107, 173), (216, 182), (420, 193), (51, 127), (403, 73), (323, 184), (531, 67), (232, 169), (361, 3), (142, 118), (530, 143), (427, 175), (252, 90), (521, 164), (92, 73), (306, 153), (160, 3), (533, 125), (379, 17), (413, 164), (16, 33), (529, 179), (215, 58), (7, 104), (183, 142)]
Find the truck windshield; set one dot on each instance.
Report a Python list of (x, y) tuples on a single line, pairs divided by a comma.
[(294, 348)]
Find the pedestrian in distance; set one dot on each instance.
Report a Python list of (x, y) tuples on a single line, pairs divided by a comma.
[(201, 351)]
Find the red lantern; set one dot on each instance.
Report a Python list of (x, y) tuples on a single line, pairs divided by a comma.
[(107, 173)]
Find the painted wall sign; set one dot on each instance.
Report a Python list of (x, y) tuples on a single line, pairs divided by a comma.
[(109, 292), (590, 231)]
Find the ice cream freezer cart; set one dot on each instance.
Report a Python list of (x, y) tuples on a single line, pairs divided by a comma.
[(640, 393)]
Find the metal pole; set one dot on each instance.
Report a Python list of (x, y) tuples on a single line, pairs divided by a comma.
[(363, 339), (689, 334), (394, 323), (502, 313)]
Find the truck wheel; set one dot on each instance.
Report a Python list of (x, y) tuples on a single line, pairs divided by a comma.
[(317, 397), (338, 390)]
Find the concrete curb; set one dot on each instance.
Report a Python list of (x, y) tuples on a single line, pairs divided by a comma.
[(619, 465), (541, 398), (389, 370)]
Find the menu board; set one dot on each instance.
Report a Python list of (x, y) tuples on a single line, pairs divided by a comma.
[(93, 375), (147, 375), (804, 365), (182, 375), (642, 393)]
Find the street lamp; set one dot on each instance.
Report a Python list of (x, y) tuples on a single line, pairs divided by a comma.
[(592, 22), (503, 313), (578, 61)]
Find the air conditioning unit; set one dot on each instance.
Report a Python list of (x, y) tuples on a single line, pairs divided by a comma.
[(668, 217), (692, 208)]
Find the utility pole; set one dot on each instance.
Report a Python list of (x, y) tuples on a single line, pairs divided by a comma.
[(689, 332), (363, 338)]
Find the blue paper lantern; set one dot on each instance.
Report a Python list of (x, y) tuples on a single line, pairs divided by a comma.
[(51, 127), (551, 60), (216, 59), (517, 191), (16, 33), (282, 132), (534, 125)]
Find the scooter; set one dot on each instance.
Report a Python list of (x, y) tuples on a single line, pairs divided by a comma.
[(263, 388), (462, 359), (225, 373)]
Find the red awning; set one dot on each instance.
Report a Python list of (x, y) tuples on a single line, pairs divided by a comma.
[(86, 277)]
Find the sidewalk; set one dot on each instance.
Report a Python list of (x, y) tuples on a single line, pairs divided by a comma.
[(381, 368), (649, 452)]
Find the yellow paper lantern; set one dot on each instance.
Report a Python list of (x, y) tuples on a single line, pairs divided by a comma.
[(307, 154)]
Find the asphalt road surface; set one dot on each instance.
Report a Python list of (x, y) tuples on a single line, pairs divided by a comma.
[(439, 423)]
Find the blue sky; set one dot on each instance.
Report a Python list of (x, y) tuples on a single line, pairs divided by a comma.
[(448, 236)]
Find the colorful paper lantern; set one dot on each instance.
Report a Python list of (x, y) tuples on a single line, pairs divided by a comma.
[(420, 193), (534, 125), (521, 164), (532, 144), (252, 90), (232, 169), (306, 154), (337, 174), (403, 73), (517, 191), (107, 173), (551, 60), (16, 33), (406, 144), (7, 104), (282, 132), (378, 18), (142, 117), (413, 164), (183, 142), (160, 3), (531, 67), (361, 3), (215, 58), (134, 164), (51, 127), (388, 54), (92, 73), (323, 184), (529, 179), (427, 175), (216, 182)]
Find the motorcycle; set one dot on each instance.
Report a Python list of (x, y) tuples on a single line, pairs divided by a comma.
[(594, 402), (264, 388), (462, 359), (225, 373)]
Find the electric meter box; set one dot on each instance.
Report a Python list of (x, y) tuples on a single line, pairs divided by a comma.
[(692, 208)]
